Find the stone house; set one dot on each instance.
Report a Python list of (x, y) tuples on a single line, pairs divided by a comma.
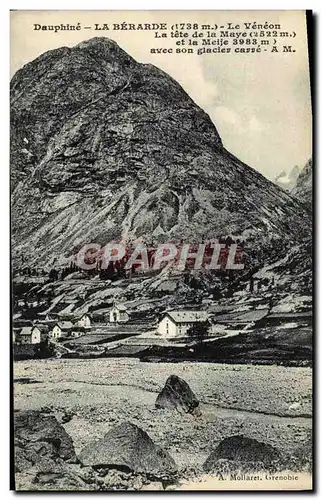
[(84, 321), (30, 335), (119, 314), (177, 323), (62, 329)]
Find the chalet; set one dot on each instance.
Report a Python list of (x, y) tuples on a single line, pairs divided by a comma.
[(62, 329), (177, 323), (30, 335), (84, 321), (119, 314)]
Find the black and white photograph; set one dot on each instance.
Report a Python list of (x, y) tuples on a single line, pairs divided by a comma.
[(161, 168)]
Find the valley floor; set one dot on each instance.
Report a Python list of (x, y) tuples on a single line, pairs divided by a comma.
[(269, 403)]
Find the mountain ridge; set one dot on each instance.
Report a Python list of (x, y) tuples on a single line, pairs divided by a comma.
[(303, 189), (105, 148)]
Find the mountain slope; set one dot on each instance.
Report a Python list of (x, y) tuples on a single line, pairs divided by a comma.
[(288, 182), (302, 191), (103, 147)]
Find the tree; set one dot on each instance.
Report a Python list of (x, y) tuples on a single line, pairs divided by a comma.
[(198, 332)]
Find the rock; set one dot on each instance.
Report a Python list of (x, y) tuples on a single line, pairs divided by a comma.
[(63, 481), (24, 481), (40, 440), (67, 478), (116, 480), (177, 394), (243, 450), (155, 486), (137, 483), (45, 458), (171, 487), (67, 417), (129, 448)]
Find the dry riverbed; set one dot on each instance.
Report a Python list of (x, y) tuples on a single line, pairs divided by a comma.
[(267, 403)]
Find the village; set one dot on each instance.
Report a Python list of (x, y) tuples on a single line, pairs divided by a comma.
[(122, 330), (160, 354)]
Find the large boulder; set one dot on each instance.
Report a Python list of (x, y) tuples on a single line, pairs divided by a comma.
[(129, 448), (177, 394), (40, 441), (242, 450)]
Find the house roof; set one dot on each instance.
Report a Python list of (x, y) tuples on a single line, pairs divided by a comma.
[(65, 325), (27, 330), (82, 316), (188, 316)]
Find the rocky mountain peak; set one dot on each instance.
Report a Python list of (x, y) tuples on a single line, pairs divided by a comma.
[(103, 147), (303, 189)]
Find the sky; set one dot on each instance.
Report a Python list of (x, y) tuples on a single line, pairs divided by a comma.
[(259, 103)]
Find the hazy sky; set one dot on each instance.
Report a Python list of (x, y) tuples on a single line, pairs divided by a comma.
[(260, 103)]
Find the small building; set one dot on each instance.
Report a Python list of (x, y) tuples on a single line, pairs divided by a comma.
[(30, 335), (84, 321), (119, 314), (177, 323), (61, 329)]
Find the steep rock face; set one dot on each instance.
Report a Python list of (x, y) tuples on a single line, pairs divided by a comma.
[(288, 182), (303, 188), (105, 148)]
